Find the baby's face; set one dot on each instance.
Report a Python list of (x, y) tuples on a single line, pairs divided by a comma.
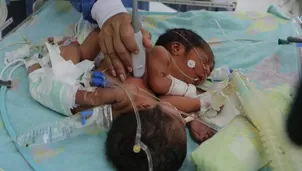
[(202, 68)]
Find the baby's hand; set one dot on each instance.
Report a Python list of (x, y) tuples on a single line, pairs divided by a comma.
[(199, 131)]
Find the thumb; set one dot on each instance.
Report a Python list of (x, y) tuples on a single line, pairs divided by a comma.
[(146, 38)]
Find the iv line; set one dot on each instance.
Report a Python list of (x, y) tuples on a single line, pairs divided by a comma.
[(230, 39)]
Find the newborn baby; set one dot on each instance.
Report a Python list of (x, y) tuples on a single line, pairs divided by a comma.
[(180, 60)]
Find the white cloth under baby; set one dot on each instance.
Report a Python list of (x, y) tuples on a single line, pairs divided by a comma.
[(219, 80), (226, 115)]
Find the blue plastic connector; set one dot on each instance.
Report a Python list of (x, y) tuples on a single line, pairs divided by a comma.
[(98, 82), (84, 115), (97, 74)]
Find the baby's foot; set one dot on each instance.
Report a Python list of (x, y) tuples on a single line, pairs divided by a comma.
[(200, 132)]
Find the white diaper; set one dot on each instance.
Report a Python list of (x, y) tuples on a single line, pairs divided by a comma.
[(50, 93), (56, 87)]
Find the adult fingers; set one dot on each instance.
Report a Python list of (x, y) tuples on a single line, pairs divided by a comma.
[(102, 44), (118, 66), (109, 64), (146, 39), (121, 50), (128, 38)]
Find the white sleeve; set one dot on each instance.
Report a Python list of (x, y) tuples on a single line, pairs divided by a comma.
[(104, 9)]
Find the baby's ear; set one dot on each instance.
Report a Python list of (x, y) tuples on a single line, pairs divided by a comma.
[(177, 49)]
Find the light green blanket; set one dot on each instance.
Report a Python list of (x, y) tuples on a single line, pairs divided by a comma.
[(238, 147)]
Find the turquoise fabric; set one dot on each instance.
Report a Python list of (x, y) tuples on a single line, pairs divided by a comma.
[(86, 152)]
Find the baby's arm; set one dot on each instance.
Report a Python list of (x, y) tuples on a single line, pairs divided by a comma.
[(184, 104), (98, 97), (157, 65), (199, 131), (114, 96)]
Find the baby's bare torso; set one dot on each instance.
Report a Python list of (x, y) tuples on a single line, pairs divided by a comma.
[(137, 87)]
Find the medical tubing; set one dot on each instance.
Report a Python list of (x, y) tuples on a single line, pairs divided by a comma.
[(257, 112), (101, 118), (11, 132), (138, 143), (148, 154), (139, 126), (10, 75), (232, 40), (9, 65)]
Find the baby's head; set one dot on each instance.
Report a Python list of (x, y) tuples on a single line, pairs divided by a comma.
[(193, 55), (162, 132)]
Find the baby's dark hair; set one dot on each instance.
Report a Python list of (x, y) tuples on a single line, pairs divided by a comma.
[(184, 36), (166, 145)]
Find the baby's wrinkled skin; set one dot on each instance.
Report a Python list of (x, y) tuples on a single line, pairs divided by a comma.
[(154, 81)]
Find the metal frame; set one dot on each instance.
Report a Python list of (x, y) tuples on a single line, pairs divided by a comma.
[(227, 5)]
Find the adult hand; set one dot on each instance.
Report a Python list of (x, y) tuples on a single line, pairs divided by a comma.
[(117, 43)]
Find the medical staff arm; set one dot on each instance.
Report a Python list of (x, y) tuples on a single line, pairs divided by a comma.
[(102, 10), (98, 11), (84, 7)]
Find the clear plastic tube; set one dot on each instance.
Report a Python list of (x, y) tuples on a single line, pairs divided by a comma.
[(97, 118), (139, 145)]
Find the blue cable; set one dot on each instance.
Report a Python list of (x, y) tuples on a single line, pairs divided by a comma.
[(12, 133)]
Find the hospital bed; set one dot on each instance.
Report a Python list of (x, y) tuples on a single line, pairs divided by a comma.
[(223, 30)]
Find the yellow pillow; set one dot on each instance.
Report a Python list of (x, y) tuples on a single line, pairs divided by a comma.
[(235, 148)]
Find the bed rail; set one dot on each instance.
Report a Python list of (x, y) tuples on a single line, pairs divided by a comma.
[(228, 5)]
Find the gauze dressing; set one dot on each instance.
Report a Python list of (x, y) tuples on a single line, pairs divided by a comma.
[(180, 88), (55, 87)]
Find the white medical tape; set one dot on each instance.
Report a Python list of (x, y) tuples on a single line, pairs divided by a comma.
[(180, 88), (191, 91), (45, 61), (177, 87), (33, 60)]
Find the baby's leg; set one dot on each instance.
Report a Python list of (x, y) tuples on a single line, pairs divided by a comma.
[(89, 49), (70, 52), (33, 67), (76, 52)]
